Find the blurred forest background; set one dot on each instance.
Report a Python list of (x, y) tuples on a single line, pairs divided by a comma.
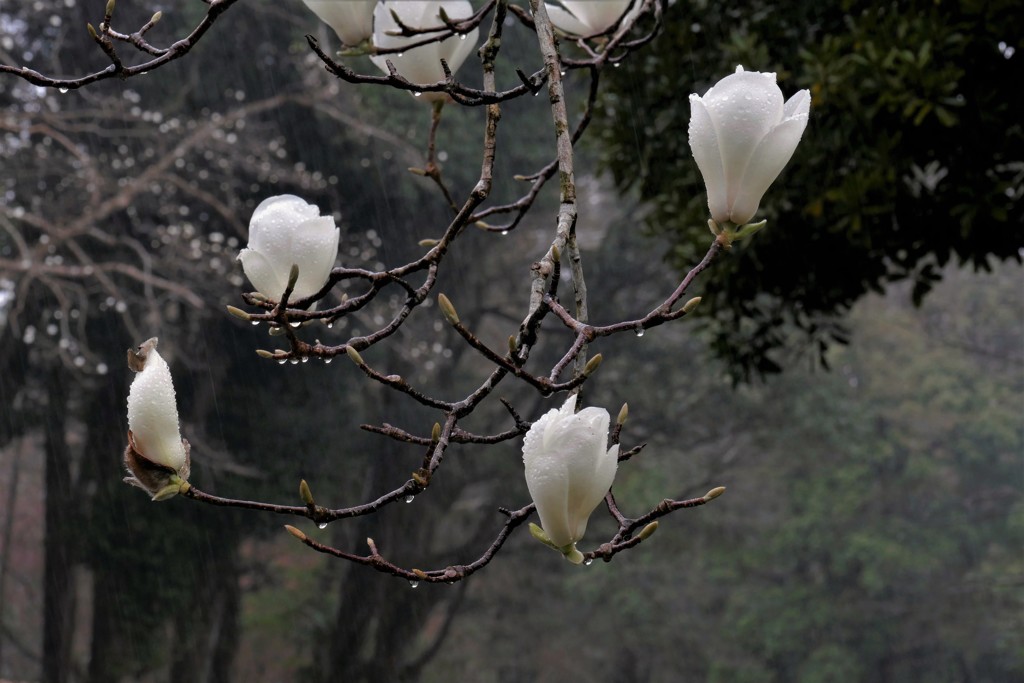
[(874, 523)]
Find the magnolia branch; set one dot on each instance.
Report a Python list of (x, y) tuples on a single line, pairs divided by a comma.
[(105, 37)]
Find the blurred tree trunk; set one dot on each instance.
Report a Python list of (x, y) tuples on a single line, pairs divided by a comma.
[(59, 588)]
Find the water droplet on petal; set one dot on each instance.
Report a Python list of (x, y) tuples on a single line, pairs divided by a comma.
[(462, 37)]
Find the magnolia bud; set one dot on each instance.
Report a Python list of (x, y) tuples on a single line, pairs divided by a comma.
[(714, 493), (447, 309)]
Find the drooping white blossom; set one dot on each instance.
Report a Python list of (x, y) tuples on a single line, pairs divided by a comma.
[(422, 65), (286, 231), (589, 17), (742, 135), (569, 469), (352, 20)]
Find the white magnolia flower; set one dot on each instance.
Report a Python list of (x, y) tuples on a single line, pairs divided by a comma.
[(286, 231), (422, 65), (589, 17), (742, 135), (569, 469), (352, 20), (156, 451)]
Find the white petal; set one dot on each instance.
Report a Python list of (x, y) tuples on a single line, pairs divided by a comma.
[(314, 250), (566, 22), (153, 414), (455, 50), (352, 20), (704, 145), (597, 15), (261, 272), (744, 107), (422, 65), (768, 160), (600, 482), (266, 227)]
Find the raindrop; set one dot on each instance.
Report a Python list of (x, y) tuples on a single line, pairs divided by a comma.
[(63, 91), (639, 330), (417, 94), (295, 361), (504, 232), (330, 326), (327, 361), (587, 562), (410, 498), (322, 525), (282, 361), (305, 359), (415, 584), (255, 322), (462, 37), (295, 324)]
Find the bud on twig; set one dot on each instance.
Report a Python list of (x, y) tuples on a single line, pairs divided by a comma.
[(428, 242), (713, 493), (648, 531), (435, 433), (354, 355), (556, 255), (263, 353), (592, 365), (295, 532), (110, 7), (691, 304), (157, 16), (92, 32), (239, 313), (293, 276), (447, 309), (305, 493), (420, 574), (623, 414)]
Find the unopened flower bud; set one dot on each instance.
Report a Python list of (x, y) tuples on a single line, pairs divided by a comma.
[(648, 531), (354, 355), (623, 414), (447, 309), (305, 493), (592, 365), (714, 493), (691, 304), (239, 313), (295, 532)]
